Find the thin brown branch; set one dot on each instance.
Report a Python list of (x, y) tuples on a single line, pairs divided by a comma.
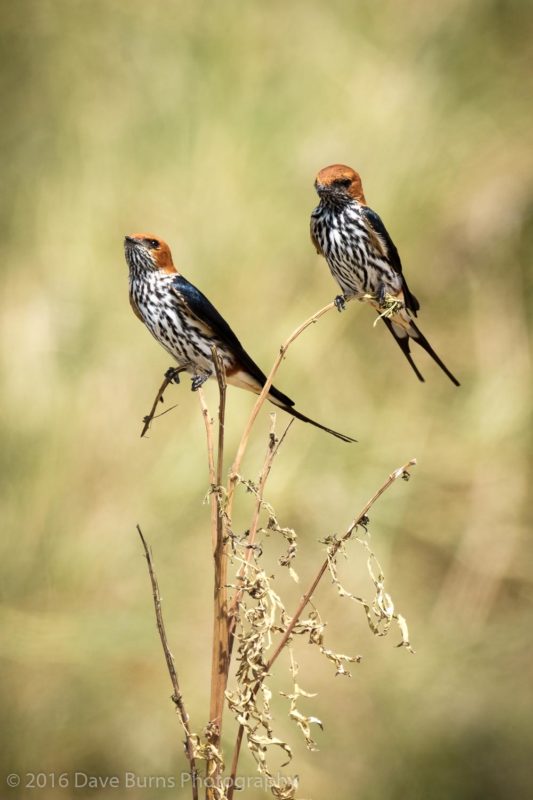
[(353, 525), (264, 392), (235, 468), (221, 380), (235, 761), (210, 465), (177, 697), (398, 473), (147, 421), (166, 411), (220, 652), (272, 449)]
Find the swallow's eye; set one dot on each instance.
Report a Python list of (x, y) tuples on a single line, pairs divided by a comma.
[(344, 182), (153, 243)]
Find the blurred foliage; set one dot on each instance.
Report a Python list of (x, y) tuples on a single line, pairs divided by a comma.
[(206, 122)]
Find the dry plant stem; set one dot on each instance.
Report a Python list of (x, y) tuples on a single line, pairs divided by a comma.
[(221, 380), (307, 596), (210, 464), (261, 399), (353, 525), (272, 450), (210, 442), (177, 697), (149, 417), (220, 652)]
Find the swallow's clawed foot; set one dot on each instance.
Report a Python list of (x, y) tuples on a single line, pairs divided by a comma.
[(340, 302), (199, 381), (173, 374)]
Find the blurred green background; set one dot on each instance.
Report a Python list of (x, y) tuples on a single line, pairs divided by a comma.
[(206, 123)]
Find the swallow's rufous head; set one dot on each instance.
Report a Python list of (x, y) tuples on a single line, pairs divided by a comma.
[(146, 251), (339, 184)]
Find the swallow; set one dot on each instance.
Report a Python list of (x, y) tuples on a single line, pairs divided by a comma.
[(364, 260), (187, 325)]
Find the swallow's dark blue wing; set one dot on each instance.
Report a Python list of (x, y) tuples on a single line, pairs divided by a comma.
[(381, 238), (201, 308), (207, 315)]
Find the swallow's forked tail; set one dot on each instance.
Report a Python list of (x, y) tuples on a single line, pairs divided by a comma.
[(303, 418), (281, 400), (402, 336), (254, 383)]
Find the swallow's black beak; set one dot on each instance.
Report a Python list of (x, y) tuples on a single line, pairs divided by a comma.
[(130, 240)]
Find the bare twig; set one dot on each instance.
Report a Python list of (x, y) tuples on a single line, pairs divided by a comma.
[(166, 411), (220, 652), (234, 473), (398, 473), (221, 380), (210, 465), (177, 697), (264, 392), (273, 447), (159, 397), (235, 761)]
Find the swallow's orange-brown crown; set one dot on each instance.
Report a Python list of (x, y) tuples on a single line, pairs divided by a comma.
[(339, 176), (159, 250)]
